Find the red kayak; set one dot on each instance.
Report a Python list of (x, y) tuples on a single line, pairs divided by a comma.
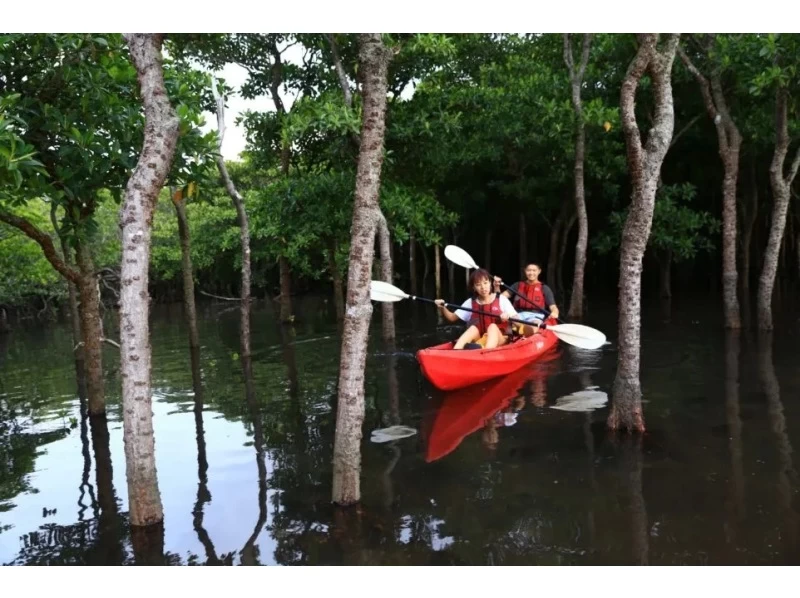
[(448, 369), (466, 410)]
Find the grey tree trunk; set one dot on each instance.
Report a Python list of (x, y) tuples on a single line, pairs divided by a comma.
[(336, 276), (576, 80), (781, 187), (374, 60), (437, 271), (387, 275), (244, 227), (91, 329), (644, 164), (730, 142), (188, 273), (136, 217)]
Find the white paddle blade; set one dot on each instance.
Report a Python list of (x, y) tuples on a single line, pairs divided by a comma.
[(459, 256), (385, 292), (579, 335)]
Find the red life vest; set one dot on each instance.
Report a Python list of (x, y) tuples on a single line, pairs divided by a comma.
[(483, 321), (534, 295)]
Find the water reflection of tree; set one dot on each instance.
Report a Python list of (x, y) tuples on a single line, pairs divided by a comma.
[(735, 503), (787, 475)]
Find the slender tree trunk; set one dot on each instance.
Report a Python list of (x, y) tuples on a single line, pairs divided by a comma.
[(387, 275), (487, 250), (338, 293), (426, 267), (576, 80), (74, 314), (644, 164), (523, 243), (730, 142), (286, 289), (186, 267), (562, 251), (141, 195), (91, 330), (451, 274), (552, 258), (244, 226), (749, 216), (781, 186), (374, 59), (665, 261), (412, 264), (437, 268)]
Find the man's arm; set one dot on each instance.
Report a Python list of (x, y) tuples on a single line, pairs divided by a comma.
[(550, 301)]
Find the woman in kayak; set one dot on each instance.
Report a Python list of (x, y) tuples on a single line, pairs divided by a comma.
[(532, 298), (493, 325)]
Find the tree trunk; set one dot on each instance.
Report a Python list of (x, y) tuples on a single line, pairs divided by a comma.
[(108, 514), (562, 251), (552, 258), (74, 314), (523, 243), (576, 80), (338, 293), (437, 268), (781, 186), (426, 268), (374, 59), (729, 142), (487, 251), (141, 195), (749, 220), (451, 275), (644, 164), (248, 552), (244, 226), (387, 275), (188, 273), (91, 330), (412, 264), (286, 289), (665, 261), (734, 421)]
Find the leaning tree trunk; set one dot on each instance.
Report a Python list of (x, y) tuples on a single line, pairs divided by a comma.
[(387, 275), (91, 329), (141, 195), (374, 61), (244, 226), (781, 187), (576, 80), (644, 164), (730, 142), (186, 266)]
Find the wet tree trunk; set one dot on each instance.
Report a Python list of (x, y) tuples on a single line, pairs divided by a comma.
[(244, 227), (338, 292), (644, 164), (576, 80), (781, 186), (387, 275), (730, 142), (186, 268), (91, 329), (374, 60), (141, 195)]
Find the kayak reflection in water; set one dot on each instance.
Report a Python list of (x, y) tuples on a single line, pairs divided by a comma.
[(484, 329)]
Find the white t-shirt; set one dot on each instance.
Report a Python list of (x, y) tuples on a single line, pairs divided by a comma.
[(505, 308)]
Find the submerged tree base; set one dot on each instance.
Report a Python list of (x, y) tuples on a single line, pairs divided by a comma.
[(626, 407)]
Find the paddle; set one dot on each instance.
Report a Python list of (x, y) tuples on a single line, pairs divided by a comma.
[(458, 256), (573, 334)]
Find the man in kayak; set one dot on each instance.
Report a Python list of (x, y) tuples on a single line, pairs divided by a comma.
[(489, 329), (532, 298)]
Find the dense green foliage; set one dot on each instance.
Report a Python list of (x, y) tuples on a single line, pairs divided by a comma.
[(479, 136)]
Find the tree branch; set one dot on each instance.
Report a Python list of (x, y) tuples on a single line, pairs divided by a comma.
[(337, 63), (587, 41), (44, 241), (218, 297), (630, 83), (793, 169), (685, 128)]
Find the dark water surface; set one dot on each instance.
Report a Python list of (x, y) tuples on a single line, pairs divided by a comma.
[(245, 474)]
